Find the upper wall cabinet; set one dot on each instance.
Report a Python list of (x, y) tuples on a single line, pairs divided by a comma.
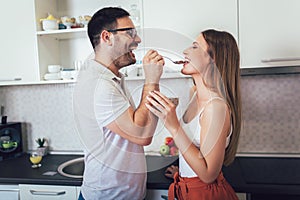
[(269, 33), (18, 50), (27, 50), (176, 23)]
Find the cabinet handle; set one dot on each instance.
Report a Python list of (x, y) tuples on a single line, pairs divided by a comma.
[(48, 193), (279, 59), (9, 190), (164, 197), (13, 79)]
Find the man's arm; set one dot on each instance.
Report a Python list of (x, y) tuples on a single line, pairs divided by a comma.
[(138, 126)]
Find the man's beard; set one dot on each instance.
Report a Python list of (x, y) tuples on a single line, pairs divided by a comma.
[(124, 60)]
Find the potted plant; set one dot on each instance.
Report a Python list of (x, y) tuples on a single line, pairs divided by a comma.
[(42, 149)]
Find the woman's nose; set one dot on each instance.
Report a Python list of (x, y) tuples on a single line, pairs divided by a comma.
[(185, 51)]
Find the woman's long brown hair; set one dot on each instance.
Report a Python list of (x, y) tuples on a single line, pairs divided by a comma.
[(224, 52)]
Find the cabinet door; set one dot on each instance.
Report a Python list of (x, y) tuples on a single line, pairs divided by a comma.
[(18, 41), (269, 32), (191, 17), (9, 192), (156, 194), (172, 25), (45, 192), (77, 191)]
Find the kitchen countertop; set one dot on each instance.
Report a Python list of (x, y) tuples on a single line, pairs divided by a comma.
[(248, 174), (19, 171)]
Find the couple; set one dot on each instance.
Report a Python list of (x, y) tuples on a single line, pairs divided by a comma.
[(114, 132)]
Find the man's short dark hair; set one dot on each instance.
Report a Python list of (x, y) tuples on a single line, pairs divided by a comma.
[(105, 18)]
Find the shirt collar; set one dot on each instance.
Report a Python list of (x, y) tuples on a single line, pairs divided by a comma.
[(106, 72)]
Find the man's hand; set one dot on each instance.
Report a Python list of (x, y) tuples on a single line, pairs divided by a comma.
[(153, 66)]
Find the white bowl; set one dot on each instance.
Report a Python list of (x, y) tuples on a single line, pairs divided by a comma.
[(54, 68), (49, 24)]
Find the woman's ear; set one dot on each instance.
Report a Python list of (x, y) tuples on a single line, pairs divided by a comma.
[(107, 37)]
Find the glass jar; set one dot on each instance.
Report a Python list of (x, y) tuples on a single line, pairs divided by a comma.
[(135, 15)]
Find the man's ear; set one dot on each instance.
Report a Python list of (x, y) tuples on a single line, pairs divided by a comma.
[(107, 37)]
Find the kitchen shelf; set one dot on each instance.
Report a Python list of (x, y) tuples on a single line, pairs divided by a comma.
[(130, 78), (42, 82), (64, 33)]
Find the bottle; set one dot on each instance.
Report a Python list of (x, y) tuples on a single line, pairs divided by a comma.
[(139, 65), (135, 15)]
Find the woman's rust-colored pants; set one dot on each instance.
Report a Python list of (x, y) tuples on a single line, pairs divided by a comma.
[(194, 189)]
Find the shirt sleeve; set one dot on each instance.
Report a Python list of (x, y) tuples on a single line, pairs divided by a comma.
[(109, 102)]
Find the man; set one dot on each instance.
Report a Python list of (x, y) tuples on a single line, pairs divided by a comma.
[(112, 131)]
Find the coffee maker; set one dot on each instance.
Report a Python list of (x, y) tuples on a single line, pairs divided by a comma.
[(10, 140)]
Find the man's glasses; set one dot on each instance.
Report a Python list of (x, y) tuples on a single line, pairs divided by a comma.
[(130, 31)]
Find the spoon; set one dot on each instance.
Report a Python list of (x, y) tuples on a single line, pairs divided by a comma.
[(175, 62)]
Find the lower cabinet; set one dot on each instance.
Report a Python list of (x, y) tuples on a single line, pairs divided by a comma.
[(242, 196), (156, 194), (77, 192), (9, 192), (45, 192)]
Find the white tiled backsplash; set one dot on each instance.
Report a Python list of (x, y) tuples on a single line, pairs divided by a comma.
[(271, 112)]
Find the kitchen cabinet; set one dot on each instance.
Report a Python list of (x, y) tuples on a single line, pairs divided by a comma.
[(178, 22), (27, 50), (9, 192), (163, 194), (156, 194), (45, 192), (269, 33), (77, 191), (18, 50)]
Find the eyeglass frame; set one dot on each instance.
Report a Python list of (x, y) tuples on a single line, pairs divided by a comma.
[(130, 31)]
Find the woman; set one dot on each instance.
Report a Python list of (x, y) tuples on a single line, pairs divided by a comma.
[(215, 112)]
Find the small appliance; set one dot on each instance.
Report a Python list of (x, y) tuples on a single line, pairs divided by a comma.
[(10, 140)]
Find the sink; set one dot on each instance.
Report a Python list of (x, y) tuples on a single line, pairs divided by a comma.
[(72, 168)]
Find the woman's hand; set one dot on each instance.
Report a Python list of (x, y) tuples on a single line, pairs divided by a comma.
[(170, 171), (163, 108)]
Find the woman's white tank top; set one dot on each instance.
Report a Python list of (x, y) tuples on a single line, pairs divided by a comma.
[(192, 129)]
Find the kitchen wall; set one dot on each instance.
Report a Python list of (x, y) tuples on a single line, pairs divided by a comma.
[(271, 112)]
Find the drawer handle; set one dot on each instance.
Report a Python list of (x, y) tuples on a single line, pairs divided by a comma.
[(12, 79), (280, 59), (164, 197), (48, 193)]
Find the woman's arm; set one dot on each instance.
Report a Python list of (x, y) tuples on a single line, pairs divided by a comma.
[(215, 122)]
